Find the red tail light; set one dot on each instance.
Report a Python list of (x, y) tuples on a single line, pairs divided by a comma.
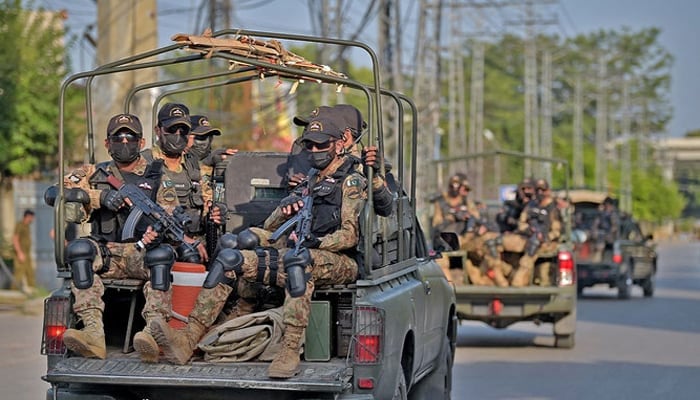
[(566, 268), (617, 258), (369, 335), (56, 321)]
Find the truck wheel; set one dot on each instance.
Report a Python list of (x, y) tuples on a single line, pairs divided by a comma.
[(564, 341), (648, 287), (400, 391), (624, 286), (437, 385)]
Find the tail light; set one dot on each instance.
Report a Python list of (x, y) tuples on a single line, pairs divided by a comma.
[(617, 258), (566, 268), (369, 335), (56, 321)]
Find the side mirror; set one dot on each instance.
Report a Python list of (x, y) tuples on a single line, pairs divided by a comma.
[(649, 237), (451, 241)]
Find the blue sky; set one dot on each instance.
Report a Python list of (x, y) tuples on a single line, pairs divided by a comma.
[(676, 18)]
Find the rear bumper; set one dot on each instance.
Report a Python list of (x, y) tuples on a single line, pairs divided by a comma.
[(594, 274)]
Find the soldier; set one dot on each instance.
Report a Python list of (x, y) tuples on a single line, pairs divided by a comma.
[(103, 254), (200, 146), (452, 209), (349, 119), (509, 215), (338, 197), (183, 173), (22, 261), (541, 224), (606, 228)]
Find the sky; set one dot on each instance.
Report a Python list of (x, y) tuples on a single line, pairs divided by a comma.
[(677, 20)]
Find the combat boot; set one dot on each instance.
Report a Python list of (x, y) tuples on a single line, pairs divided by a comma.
[(177, 345), (145, 344), (286, 362), (90, 341)]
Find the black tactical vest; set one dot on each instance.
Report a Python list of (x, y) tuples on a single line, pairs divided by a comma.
[(107, 225), (328, 199), (540, 217)]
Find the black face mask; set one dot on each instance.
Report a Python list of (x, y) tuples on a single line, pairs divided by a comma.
[(173, 144), (321, 159), (201, 148), (124, 152)]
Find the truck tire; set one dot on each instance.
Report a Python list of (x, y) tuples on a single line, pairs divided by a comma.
[(400, 393), (564, 341), (437, 385), (624, 285), (648, 286)]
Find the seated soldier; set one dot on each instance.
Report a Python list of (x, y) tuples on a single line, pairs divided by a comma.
[(325, 257)]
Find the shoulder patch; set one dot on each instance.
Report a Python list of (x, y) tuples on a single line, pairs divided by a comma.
[(167, 183), (353, 182)]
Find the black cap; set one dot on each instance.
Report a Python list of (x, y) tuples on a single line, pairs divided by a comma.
[(172, 114), (342, 115), (321, 130), (124, 121), (202, 127)]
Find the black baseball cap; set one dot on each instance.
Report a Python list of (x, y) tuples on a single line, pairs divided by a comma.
[(321, 130), (342, 115), (173, 114), (124, 121), (202, 127)]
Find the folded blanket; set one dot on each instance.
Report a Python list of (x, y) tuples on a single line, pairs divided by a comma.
[(253, 336)]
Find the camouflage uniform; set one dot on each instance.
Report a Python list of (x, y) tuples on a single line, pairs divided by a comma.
[(526, 265), (125, 260), (331, 262)]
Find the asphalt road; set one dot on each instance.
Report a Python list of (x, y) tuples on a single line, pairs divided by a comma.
[(642, 348)]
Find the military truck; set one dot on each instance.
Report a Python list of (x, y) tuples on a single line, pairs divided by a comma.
[(389, 335), (624, 258), (501, 307)]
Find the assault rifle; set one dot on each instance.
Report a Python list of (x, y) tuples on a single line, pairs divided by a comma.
[(171, 227), (301, 222)]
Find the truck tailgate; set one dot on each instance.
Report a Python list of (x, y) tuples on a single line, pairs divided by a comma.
[(329, 377), (489, 302)]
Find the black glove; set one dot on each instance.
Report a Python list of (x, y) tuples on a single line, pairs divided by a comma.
[(371, 161), (312, 242), (111, 199)]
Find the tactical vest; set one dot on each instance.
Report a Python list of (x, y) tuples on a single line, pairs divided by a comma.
[(188, 187), (540, 217), (328, 199), (107, 225)]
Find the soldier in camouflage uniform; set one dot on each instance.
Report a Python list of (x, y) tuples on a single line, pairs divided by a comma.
[(194, 193), (540, 226), (103, 254), (452, 210), (339, 195)]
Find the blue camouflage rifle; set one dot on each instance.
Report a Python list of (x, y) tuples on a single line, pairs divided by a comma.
[(296, 260), (171, 227)]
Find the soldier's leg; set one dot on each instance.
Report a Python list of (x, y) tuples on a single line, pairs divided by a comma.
[(496, 268), (85, 259), (523, 275)]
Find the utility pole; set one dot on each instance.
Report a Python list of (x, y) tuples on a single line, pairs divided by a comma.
[(577, 149), (124, 28), (626, 156), (547, 112), (601, 127), (427, 92), (389, 39), (530, 88)]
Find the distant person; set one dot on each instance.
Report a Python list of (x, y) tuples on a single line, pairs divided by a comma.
[(22, 245)]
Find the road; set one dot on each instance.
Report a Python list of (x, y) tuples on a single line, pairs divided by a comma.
[(642, 348), (635, 349)]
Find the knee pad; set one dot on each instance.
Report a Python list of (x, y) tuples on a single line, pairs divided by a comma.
[(295, 267), (226, 241), (159, 261), (80, 255), (248, 240), (226, 260)]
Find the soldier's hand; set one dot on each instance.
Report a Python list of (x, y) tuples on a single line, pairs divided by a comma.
[(217, 213), (150, 236), (291, 204), (111, 199), (296, 179), (312, 242), (370, 157), (200, 248)]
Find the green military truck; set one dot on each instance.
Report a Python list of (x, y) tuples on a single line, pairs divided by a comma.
[(390, 335), (501, 307)]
